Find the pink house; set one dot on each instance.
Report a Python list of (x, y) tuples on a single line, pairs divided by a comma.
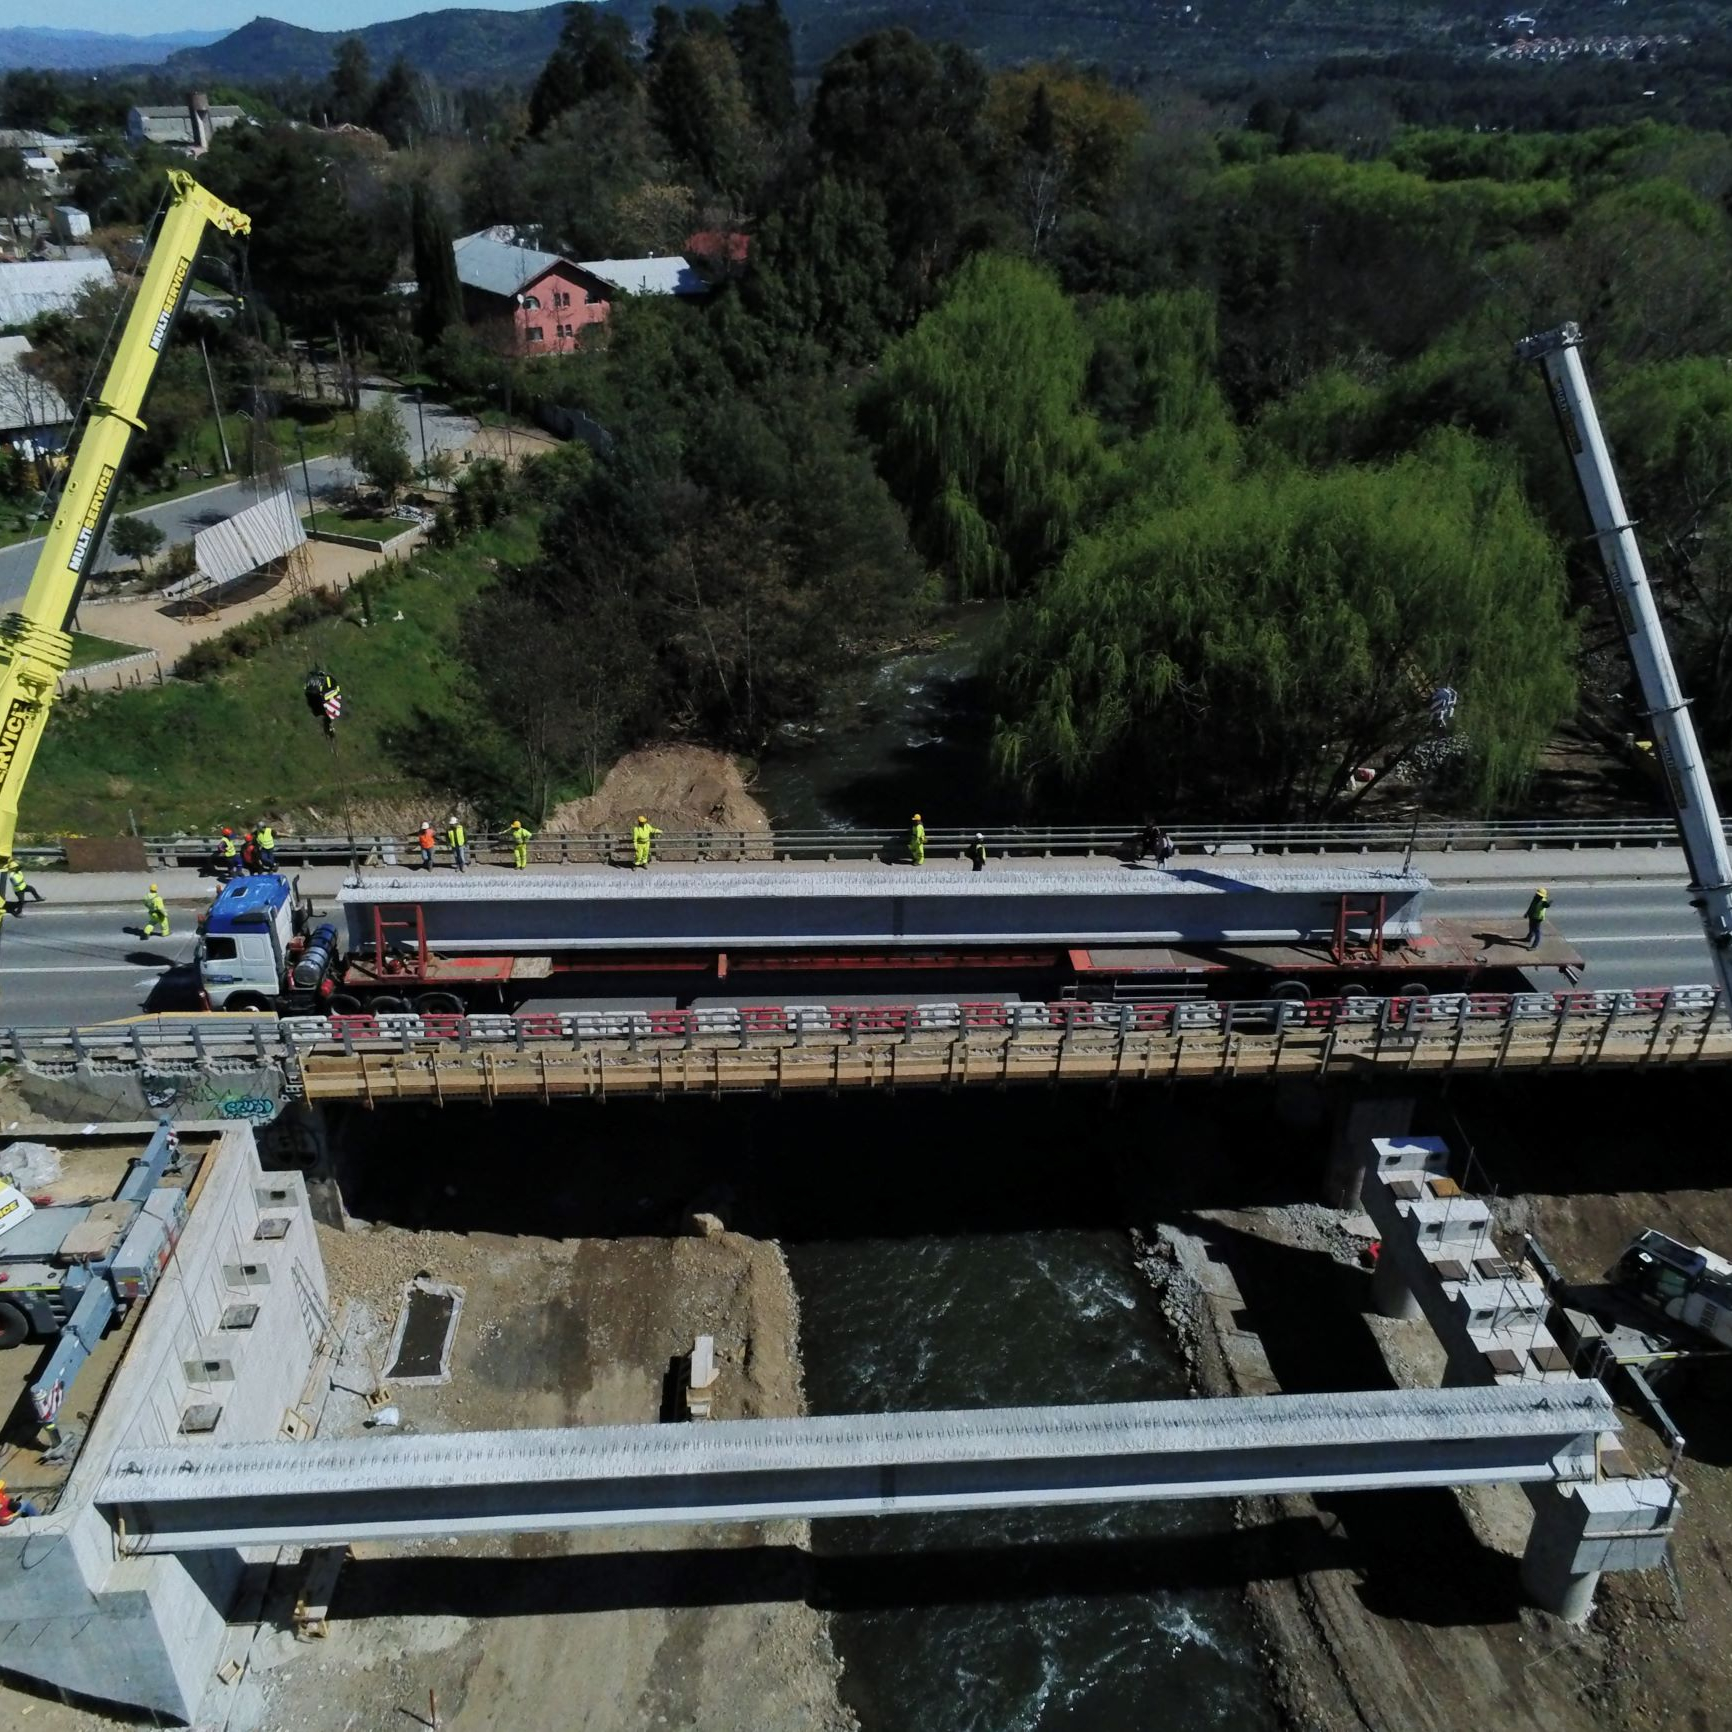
[(550, 299)]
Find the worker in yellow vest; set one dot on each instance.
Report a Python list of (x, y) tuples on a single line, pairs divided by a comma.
[(643, 833), (520, 840), (266, 838), (917, 841), (155, 914), (457, 840)]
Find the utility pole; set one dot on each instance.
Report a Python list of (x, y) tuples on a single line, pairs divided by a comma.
[(421, 416), (216, 407)]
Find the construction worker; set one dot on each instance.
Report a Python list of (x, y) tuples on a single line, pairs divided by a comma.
[(266, 840), (428, 842), (1536, 916), (917, 841), (457, 840), (155, 914), (249, 853), (227, 855), (11, 1508), (520, 840), (643, 833), (18, 887), (977, 852)]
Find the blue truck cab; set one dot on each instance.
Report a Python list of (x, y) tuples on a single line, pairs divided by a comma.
[(244, 944)]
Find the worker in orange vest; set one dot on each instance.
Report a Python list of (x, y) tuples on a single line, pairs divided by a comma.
[(428, 843), (11, 1508)]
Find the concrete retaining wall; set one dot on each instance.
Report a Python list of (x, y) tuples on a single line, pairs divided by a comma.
[(146, 1633), (242, 1093)]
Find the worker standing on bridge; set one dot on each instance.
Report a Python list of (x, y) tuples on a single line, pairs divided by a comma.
[(1536, 916), (457, 840), (917, 841), (643, 833), (155, 914), (266, 838), (426, 839), (227, 855), (520, 840), (977, 852)]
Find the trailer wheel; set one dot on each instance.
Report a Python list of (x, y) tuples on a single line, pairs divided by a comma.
[(1293, 991), (439, 1004), (388, 1004), (1415, 989), (344, 1004), (14, 1326), (1356, 989)]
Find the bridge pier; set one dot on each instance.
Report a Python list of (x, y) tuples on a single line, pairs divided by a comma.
[(1584, 1529), (1357, 1118)]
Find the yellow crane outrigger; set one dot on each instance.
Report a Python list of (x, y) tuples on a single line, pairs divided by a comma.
[(34, 642)]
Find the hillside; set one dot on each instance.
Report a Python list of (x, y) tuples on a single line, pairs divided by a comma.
[(462, 46), (88, 50)]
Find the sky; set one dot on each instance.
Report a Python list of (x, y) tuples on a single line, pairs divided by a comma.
[(151, 17)]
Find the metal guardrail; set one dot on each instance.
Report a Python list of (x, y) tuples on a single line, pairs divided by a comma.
[(1686, 1015), (1372, 836)]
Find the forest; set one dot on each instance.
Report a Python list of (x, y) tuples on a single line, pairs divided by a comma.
[(1210, 387)]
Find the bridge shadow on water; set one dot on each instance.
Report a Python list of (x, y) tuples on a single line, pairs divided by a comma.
[(540, 1579)]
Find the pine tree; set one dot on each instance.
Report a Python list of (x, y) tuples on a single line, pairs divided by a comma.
[(439, 299)]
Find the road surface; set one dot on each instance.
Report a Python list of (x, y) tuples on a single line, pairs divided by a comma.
[(66, 962), (181, 519)]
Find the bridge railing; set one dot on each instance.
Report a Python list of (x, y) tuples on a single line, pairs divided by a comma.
[(590, 847), (1443, 1016)]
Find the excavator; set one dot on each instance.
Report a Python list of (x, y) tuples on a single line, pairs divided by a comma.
[(35, 644)]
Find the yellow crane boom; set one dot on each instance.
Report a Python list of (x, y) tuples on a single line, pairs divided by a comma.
[(34, 642)]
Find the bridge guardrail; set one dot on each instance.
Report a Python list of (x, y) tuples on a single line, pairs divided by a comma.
[(1372, 836), (1445, 1016)]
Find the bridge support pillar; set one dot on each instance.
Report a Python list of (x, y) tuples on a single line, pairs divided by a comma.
[(1392, 1293), (1584, 1528), (1357, 1119)]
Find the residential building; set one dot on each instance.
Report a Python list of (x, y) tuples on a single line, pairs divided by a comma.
[(39, 286), (549, 299), (70, 223), (188, 126)]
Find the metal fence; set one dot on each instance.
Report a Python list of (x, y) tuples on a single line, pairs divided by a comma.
[(1371, 836)]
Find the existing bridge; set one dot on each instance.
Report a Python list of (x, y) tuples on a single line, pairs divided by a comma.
[(814, 1048)]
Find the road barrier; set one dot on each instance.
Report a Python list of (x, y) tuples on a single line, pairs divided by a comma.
[(804, 1047), (1371, 836)]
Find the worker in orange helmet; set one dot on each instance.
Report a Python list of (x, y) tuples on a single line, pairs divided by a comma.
[(227, 855)]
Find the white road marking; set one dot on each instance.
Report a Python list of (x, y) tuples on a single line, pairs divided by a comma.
[(1648, 938), (77, 968)]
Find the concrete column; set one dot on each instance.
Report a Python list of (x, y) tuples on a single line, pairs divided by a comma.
[(1390, 1292), (1550, 1571), (1357, 1119)]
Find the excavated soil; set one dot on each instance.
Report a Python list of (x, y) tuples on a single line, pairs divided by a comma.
[(676, 787)]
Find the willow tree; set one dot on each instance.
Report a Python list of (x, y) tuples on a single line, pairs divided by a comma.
[(980, 417), (1253, 643)]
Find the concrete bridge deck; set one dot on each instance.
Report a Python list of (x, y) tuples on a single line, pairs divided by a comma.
[(194, 1497)]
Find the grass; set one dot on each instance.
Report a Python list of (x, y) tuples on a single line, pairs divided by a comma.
[(356, 523), (88, 648), (192, 754)]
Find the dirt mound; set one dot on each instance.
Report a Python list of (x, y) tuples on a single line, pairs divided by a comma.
[(678, 787)]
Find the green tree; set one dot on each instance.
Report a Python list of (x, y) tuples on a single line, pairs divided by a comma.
[(395, 105), (439, 294), (380, 450), (703, 110), (351, 81), (982, 424), (137, 538), (759, 32), (1250, 646), (594, 58)]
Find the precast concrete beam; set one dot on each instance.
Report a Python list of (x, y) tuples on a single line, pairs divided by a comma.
[(177, 1498)]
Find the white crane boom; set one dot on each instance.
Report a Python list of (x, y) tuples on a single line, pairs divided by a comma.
[(1559, 356)]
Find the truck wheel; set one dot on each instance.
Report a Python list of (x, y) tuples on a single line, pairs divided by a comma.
[(388, 1005), (1293, 991), (439, 1004), (344, 1004), (1414, 989), (13, 1326), (248, 1001)]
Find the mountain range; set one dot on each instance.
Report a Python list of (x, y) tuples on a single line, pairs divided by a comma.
[(90, 50)]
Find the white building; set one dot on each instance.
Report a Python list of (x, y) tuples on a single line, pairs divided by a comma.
[(29, 290)]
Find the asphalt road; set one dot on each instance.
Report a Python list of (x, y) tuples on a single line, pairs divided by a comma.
[(181, 519), (62, 963)]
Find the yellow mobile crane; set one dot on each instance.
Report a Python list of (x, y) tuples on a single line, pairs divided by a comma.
[(34, 642)]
